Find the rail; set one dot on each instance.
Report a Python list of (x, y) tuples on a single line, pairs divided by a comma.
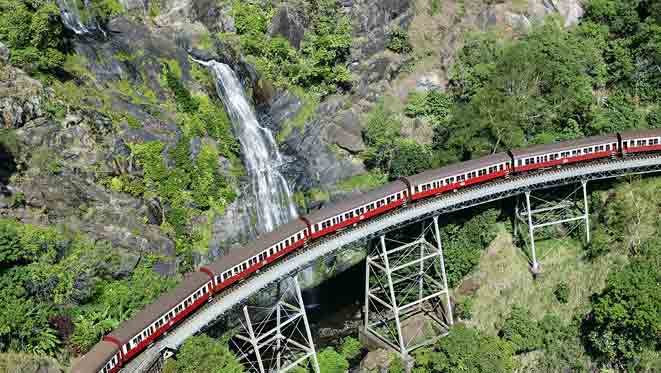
[(444, 203)]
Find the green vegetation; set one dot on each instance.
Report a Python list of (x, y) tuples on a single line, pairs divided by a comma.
[(463, 243), (45, 309), (317, 66), (561, 292), (388, 151), (331, 361), (363, 182), (203, 354), (550, 84), (466, 350), (34, 33), (435, 7), (625, 320), (398, 40)]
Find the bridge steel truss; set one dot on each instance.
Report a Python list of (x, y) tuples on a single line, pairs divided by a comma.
[(331, 246), (537, 214), (277, 338), (402, 284)]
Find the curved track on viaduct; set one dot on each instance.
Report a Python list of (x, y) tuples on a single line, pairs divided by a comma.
[(330, 246)]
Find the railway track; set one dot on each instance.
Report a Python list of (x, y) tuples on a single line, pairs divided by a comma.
[(331, 245)]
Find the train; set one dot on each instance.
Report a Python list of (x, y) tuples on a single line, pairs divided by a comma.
[(134, 335)]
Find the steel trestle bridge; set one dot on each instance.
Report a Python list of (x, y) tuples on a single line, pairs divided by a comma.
[(330, 246)]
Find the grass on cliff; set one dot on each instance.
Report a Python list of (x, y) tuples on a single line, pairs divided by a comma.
[(503, 279)]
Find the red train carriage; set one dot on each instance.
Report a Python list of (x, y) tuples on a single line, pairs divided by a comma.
[(459, 175), (241, 263), (133, 335), (353, 210), (641, 141), (104, 357), (542, 156)]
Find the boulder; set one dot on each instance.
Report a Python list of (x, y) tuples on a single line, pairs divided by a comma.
[(372, 19), (21, 97), (346, 132), (288, 23), (4, 53), (429, 82), (570, 10), (377, 361)]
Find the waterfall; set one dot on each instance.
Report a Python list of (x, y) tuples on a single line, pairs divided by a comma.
[(72, 19), (71, 16), (273, 199)]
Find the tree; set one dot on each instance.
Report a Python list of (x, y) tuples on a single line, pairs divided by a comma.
[(466, 350), (626, 317), (10, 247), (410, 158), (34, 32), (330, 361), (381, 134), (203, 354)]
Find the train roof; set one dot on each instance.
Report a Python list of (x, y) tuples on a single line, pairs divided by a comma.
[(129, 328), (96, 358), (256, 246), (636, 134), (563, 145), (458, 168), (350, 203)]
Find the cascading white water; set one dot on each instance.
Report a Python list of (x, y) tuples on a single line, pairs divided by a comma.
[(71, 16), (274, 202), (72, 19)]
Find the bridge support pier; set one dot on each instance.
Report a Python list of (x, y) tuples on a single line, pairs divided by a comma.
[(407, 301), (537, 213), (277, 338)]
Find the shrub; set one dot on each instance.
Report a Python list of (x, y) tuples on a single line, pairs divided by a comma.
[(350, 348), (466, 350), (398, 40), (330, 361), (521, 330), (203, 354), (561, 292), (464, 308)]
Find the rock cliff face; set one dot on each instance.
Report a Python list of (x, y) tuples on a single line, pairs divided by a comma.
[(57, 161)]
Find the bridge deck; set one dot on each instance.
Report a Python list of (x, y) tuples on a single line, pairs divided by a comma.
[(441, 204)]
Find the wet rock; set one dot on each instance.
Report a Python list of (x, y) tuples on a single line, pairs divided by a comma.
[(282, 107), (288, 23), (4, 53)]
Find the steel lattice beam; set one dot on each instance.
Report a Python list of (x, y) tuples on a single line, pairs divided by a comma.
[(331, 246)]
